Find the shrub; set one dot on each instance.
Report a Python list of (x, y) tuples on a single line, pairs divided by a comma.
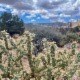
[(42, 67)]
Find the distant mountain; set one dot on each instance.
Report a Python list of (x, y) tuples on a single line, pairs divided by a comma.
[(56, 24)]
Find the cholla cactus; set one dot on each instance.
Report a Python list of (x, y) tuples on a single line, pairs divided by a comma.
[(18, 63)]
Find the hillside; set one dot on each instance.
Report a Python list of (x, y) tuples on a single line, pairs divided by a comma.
[(55, 24), (60, 35)]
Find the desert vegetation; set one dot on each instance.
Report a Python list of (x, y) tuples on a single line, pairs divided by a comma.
[(61, 36), (17, 61)]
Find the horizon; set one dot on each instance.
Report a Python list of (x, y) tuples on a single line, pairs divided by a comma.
[(43, 11)]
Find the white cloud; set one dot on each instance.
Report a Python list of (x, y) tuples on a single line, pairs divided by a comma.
[(61, 20), (15, 12), (35, 1), (31, 16), (45, 16), (77, 3), (33, 20), (22, 12), (48, 9), (73, 20), (8, 6), (49, 15), (64, 15), (2, 10)]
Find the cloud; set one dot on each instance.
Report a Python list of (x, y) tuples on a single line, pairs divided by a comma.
[(50, 4), (63, 15), (18, 4), (61, 20), (31, 16), (23, 6), (33, 20), (14, 12), (72, 12), (45, 16), (33, 13), (54, 10), (58, 2), (73, 20), (1, 9), (46, 4), (11, 2)]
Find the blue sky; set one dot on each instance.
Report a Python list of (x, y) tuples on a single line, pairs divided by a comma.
[(43, 11)]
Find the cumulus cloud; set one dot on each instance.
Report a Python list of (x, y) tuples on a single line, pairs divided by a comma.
[(46, 4), (58, 2), (1, 10), (14, 12), (34, 12), (50, 4), (31, 16), (19, 4), (61, 20), (11, 2), (23, 6), (55, 10), (73, 20), (63, 15), (33, 20)]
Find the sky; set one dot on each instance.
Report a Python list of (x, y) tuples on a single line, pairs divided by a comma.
[(43, 11)]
